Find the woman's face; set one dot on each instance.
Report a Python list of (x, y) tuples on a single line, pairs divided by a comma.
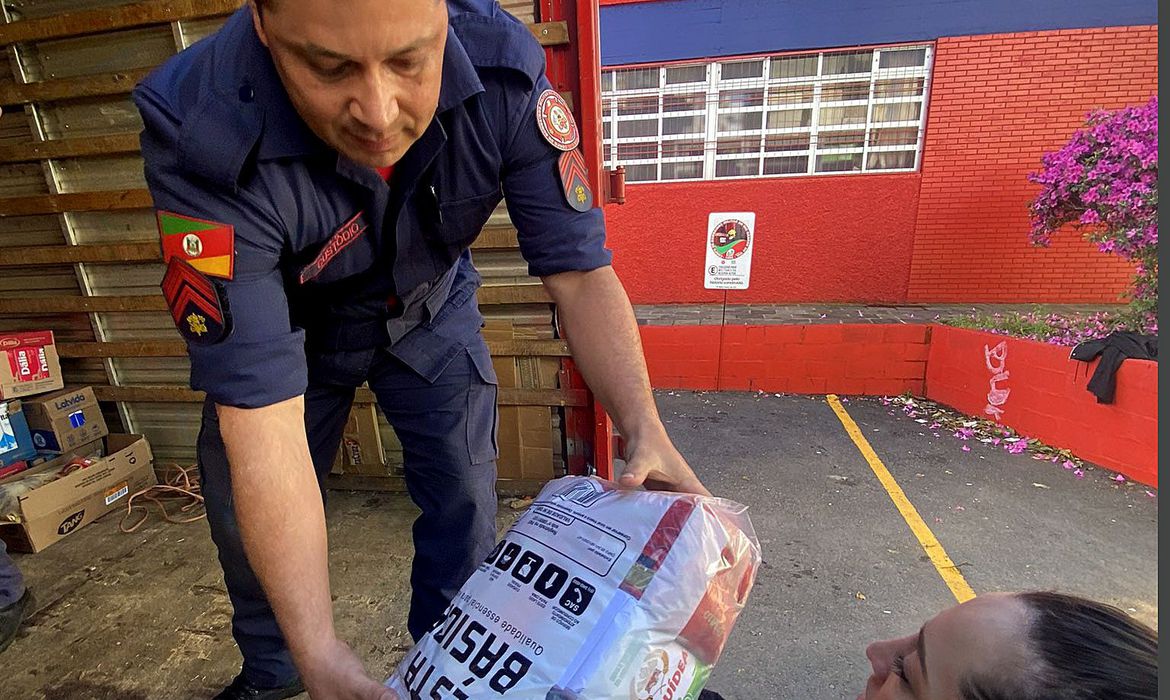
[(984, 637)]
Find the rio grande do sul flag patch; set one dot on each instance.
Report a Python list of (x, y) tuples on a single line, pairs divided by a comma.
[(208, 246)]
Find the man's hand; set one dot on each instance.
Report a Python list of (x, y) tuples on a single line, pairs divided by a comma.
[(336, 673), (603, 336), (656, 464)]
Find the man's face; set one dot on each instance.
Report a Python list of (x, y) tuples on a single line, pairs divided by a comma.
[(363, 74)]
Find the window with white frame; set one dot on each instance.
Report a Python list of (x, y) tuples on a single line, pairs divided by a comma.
[(796, 114)]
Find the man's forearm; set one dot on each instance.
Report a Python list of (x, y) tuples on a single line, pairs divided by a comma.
[(603, 335), (282, 520)]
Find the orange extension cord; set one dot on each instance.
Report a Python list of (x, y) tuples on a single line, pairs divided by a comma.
[(180, 486)]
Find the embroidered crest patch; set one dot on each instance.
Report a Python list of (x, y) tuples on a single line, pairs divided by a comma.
[(208, 246), (575, 180), (198, 303), (556, 121)]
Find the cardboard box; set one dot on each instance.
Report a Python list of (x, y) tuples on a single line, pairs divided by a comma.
[(16, 444), (28, 364), (59, 508), (65, 420), (361, 444)]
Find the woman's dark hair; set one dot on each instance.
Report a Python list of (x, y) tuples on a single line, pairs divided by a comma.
[(1085, 651)]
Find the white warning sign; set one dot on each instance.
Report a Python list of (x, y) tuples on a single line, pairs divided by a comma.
[(730, 240)]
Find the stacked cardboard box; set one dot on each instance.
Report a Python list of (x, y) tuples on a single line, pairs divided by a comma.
[(60, 468)]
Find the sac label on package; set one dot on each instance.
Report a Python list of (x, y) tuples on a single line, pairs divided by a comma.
[(595, 593)]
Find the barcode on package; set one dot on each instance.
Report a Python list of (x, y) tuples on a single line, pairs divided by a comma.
[(116, 493)]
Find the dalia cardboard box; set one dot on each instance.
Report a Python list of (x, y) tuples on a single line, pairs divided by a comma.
[(28, 364), (65, 420)]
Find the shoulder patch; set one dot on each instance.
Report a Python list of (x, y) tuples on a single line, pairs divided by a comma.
[(198, 303), (556, 121), (575, 180), (207, 246)]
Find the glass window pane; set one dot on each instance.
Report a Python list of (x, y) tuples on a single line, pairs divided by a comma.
[(740, 122), (684, 102), (680, 171), (686, 74), (683, 125), (606, 151), (897, 112), (786, 142), (902, 58), (833, 116), (853, 62), (732, 99), (607, 81), (686, 148), (606, 129), (750, 144), (647, 172), (793, 67), (839, 162), (840, 139), (786, 166), (899, 87), (636, 128), (638, 105), (637, 151), (637, 79), (839, 92), (907, 136), (891, 160), (789, 118), (741, 69), (737, 168), (790, 94)]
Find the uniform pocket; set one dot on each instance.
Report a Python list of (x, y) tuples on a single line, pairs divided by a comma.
[(461, 221), (483, 415)]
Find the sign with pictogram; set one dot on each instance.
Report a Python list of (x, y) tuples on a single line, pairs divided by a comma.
[(730, 239)]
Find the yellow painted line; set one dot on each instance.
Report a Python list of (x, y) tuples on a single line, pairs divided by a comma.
[(938, 556)]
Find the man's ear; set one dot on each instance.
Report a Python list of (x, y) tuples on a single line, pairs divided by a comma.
[(257, 22)]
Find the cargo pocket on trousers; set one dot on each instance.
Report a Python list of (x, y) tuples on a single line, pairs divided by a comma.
[(483, 416)]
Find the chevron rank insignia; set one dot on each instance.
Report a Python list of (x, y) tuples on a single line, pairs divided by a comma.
[(198, 303), (208, 246), (575, 180)]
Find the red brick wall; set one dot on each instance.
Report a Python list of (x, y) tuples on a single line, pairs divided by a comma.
[(997, 103), (815, 359), (1048, 399), (831, 238)]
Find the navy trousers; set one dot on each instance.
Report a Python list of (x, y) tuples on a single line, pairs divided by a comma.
[(448, 433), (11, 582)]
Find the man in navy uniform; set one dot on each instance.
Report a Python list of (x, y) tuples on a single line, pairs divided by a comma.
[(319, 170)]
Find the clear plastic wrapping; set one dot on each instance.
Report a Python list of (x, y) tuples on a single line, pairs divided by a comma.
[(596, 593)]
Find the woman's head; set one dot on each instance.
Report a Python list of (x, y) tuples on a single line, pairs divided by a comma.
[(1019, 646)]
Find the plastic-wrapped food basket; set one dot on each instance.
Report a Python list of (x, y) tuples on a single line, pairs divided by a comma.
[(596, 593)]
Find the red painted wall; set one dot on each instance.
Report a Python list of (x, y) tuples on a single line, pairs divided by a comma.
[(1048, 399), (825, 239), (813, 359), (997, 103)]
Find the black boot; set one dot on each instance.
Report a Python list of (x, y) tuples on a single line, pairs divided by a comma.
[(12, 616), (241, 689)]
